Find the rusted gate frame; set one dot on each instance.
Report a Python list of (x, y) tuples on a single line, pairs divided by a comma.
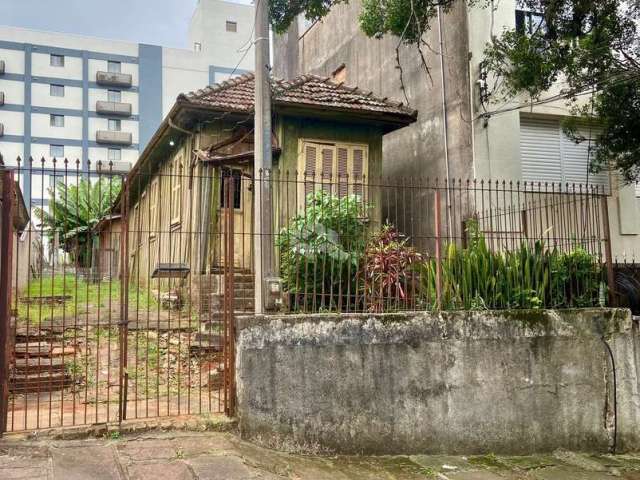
[(6, 247), (123, 324), (229, 295)]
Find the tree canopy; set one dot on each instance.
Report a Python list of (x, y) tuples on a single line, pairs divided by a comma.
[(592, 46)]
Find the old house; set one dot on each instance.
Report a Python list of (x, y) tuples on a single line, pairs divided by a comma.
[(175, 200)]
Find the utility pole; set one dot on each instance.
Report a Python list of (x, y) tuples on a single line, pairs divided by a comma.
[(263, 216)]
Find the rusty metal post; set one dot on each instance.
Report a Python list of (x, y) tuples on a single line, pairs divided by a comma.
[(611, 282), (6, 246), (438, 250), (123, 325), (229, 300)]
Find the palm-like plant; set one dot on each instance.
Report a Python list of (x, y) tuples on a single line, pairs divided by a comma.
[(74, 211)]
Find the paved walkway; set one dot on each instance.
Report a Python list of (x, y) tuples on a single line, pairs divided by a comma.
[(222, 456)]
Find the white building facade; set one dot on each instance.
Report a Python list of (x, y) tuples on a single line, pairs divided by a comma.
[(92, 100)]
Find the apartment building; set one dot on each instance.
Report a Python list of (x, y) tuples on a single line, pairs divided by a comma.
[(454, 137), (89, 99)]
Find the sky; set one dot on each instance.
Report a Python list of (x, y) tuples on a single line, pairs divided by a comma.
[(157, 22)]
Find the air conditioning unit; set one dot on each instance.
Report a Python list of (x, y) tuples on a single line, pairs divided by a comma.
[(1, 67)]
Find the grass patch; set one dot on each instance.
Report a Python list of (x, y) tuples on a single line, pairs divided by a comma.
[(83, 297)]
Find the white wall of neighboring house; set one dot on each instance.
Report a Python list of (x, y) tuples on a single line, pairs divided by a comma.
[(508, 135)]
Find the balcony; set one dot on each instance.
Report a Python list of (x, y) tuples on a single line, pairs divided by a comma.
[(107, 167), (113, 138), (1, 67), (113, 108), (113, 79)]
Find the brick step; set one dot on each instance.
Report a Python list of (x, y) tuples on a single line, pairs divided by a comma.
[(42, 349), (39, 382), (38, 364)]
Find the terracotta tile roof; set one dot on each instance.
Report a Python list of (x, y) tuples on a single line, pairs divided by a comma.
[(237, 94)]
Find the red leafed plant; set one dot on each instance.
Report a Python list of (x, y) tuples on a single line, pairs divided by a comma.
[(388, 272)]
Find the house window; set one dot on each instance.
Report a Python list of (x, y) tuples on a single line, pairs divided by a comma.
[(56, 151), (56, 120), (115, 124), (336, 168), (528, 22), (176, 192), (197, 47), (56, 60), (548, 155), (153, 209), (114, 67), (232, 26), (114, 155), (114, 96), (56, 90), (237, 188)]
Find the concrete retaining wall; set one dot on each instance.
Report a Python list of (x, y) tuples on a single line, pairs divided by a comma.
[(465, 382)]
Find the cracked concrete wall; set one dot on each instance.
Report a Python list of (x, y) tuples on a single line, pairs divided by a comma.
[(464, 382)]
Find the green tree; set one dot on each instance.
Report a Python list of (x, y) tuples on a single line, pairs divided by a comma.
[(74, 211), (591, 45)]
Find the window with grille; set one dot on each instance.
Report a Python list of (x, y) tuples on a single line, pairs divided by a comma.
[(237, 188), (114, 67), (115, 124), (337, 168), (114, 96), (232, 26)]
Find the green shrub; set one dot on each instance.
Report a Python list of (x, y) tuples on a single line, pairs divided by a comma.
[(321, 250), (388, 272), (531, 276)]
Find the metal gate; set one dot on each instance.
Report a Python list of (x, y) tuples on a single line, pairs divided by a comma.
[(113, 314)]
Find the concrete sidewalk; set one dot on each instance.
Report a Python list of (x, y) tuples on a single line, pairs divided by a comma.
[(222, 456)]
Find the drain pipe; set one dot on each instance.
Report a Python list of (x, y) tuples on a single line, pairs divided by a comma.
[(445, 127)]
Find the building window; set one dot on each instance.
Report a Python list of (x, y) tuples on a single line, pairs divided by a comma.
[(56, 151), (114, 155), (56, 120), (237, 188), (56, 60), (548, 156), (114, 67), (115, 124), (197, 47), (529, 23), (56, 90), (176, 189), (114, 96), (153, 209), (232, 26), (336, 168)]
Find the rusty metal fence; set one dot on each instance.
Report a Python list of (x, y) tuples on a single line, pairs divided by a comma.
[(356, 244), (107, 317), (119, 294)]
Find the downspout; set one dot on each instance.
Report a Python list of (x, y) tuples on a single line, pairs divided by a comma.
[(444, 116), (472, 113)]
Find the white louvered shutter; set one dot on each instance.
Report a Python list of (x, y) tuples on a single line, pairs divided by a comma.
[(548, 155), (540, 151), (575, 162)]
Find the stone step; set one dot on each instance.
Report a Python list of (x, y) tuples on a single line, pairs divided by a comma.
[(39, 364), (39, 382), (42, 349)]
